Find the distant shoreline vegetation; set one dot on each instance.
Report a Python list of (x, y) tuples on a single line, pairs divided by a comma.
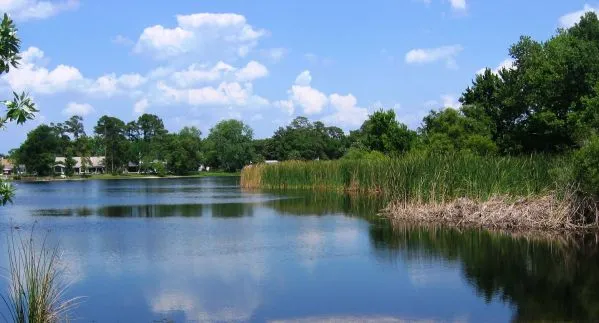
[(122, 176)]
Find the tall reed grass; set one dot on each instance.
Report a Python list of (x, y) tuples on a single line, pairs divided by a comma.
[(416, 177), (36, 288)]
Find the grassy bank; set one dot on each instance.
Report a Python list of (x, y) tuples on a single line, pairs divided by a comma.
[(510, 193)]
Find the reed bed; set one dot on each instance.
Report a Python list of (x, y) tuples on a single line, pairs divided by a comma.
[(507, 193), (414, 177)]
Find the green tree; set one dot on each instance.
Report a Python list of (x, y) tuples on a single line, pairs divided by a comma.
[(382, 132), (545, 102), (229, 145), (183, 151), (302, 139), (75, 127), (111, 132), (150, 126), (450, 130), (39, 150), (69, 163)]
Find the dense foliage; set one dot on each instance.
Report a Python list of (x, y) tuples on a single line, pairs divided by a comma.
[(21, 108)]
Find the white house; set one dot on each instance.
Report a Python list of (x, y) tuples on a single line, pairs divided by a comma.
[(93, 165)]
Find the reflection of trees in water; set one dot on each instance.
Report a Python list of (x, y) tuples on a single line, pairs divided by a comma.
[(82, 211), (149, 211), (323, 203), (232, 210), (542, 280)]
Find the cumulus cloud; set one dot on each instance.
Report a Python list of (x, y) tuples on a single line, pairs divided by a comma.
[(450, 101), (431, 55), (35, 9), (33, 75), (346, 110), (508, 63), (140, 106), (312, 101), (304, 78), (253, 70), (79, 109), (204, 35), (309, 99), (226, 93), (458, 4), (570, 19)]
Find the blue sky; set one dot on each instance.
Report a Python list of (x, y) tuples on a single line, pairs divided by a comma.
[(194, 63)]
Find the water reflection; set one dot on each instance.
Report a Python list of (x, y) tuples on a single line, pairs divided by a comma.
[(151, 211), (213, 252), (552, 280)]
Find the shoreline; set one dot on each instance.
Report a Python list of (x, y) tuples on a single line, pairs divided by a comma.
[(118, 177)]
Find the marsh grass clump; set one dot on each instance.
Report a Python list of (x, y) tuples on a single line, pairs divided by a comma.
[(36, 289)]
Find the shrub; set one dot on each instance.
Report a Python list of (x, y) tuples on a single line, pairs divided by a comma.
[(586, 167)]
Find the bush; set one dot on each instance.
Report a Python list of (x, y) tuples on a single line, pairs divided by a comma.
[(586, 167)]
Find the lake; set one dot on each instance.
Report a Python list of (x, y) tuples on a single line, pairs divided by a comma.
[(180, 250)]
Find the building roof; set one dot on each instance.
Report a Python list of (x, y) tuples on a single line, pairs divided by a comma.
[(96, 161), (6, 164)]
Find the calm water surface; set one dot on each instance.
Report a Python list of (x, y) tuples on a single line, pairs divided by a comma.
[(204, 250)]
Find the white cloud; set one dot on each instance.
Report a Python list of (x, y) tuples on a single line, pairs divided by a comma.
[(309, 99), (285, 105), (140, 106), (33, 76), (204, 35), (430, 55), (450, 101), (572, 18), (35, 9), (304, 78), (201, 74), (347, 111), (508, 63), (80, 109), (275, 54), (302, 95), (131, 81), (253, 70), (458, 4), (318, 60), (227, 93), (122, 40)]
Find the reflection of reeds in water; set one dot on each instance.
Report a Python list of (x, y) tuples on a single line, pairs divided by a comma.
[(36, 289), (302, 202)]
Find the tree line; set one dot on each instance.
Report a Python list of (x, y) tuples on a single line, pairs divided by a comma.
[(546, 102)]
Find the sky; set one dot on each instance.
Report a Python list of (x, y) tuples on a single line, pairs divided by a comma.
[(196, 62)]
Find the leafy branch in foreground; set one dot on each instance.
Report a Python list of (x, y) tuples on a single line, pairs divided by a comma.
[(7, 193), (36, 288)]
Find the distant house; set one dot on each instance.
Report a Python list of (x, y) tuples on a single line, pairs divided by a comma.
[(93, 165), (7, 167), (133, 167), (271, 161)]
